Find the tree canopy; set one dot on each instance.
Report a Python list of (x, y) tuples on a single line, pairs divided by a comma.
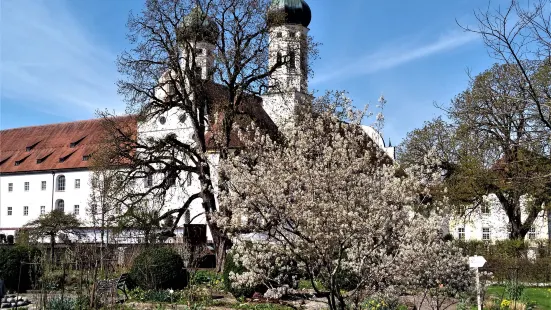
[(492, 145)]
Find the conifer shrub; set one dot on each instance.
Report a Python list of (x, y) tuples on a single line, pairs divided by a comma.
[(158, 268)]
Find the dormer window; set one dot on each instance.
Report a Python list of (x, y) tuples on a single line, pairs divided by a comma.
[(64, 158), (4, 160), (19, 162), (86, 157), (75, 143), (42, 159), (30, 147)]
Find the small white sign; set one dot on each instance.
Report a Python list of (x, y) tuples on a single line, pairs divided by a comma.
[(476, 261)]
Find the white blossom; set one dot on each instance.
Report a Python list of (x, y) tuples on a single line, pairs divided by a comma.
[(331, 206)]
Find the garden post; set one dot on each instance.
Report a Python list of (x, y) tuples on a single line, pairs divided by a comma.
[(477, 262)]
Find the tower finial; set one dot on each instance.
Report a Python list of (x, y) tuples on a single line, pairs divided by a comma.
[(296, 12)]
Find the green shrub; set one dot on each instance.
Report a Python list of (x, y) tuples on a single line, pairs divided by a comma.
[(10, 267), (159, 268), (204, 277), (67, 303)]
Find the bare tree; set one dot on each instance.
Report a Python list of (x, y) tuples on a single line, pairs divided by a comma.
[(519, 34), (104, 209), (206, 61)]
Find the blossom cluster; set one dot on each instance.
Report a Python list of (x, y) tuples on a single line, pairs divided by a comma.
[(328, 204)]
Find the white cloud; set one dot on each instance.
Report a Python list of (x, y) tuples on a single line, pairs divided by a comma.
[(51, 64), (392, 56)]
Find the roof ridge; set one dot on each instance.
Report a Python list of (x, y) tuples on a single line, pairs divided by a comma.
[(65, 123)]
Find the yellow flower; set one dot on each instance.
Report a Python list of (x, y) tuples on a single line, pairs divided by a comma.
[(505, 303)]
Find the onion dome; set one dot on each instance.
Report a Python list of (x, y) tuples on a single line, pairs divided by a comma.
[(198, 27), (295, 12)]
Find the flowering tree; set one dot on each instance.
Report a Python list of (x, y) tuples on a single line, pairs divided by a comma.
[(435, 271), (329, 200)]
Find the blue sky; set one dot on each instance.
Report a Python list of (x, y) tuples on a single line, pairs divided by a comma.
[(58, 56)]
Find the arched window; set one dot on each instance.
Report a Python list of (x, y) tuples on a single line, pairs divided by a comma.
[(61, 183), (292, 60), (60, 205), (279, 58), (187, 217)]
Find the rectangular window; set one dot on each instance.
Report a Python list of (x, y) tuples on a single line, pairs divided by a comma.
[(461, 233), (26, 186), (77, 209), (9, 210), (77, 183), (10, 187), (25, 211), (149, 180), (43, 186), (485, 209), (485, 233), (532, 233), (42, 210)]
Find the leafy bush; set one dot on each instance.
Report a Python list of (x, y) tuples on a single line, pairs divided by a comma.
[(66, 303), (159, 268), (10, 266), (186, 296)]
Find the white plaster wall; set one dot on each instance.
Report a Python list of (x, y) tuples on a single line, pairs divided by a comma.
[(36, 197), (177, 195), (497, 221)]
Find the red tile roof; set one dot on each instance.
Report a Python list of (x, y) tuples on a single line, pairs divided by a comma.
[(54, 143)]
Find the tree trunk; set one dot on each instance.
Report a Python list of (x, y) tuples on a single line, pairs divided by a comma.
[(52, 247), (222, 245)]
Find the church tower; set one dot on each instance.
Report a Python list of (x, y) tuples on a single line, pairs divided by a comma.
[(288, 85), (197, 36)]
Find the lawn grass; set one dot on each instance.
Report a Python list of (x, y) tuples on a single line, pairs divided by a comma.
[(539, 295)]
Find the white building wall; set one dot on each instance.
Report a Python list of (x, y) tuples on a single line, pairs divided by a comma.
[(497, 221), (36, 197), (177, 196)]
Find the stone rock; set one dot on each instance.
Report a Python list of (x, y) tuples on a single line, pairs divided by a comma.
[(13, 304), (9, 300), (21, 303), (5, 305)]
